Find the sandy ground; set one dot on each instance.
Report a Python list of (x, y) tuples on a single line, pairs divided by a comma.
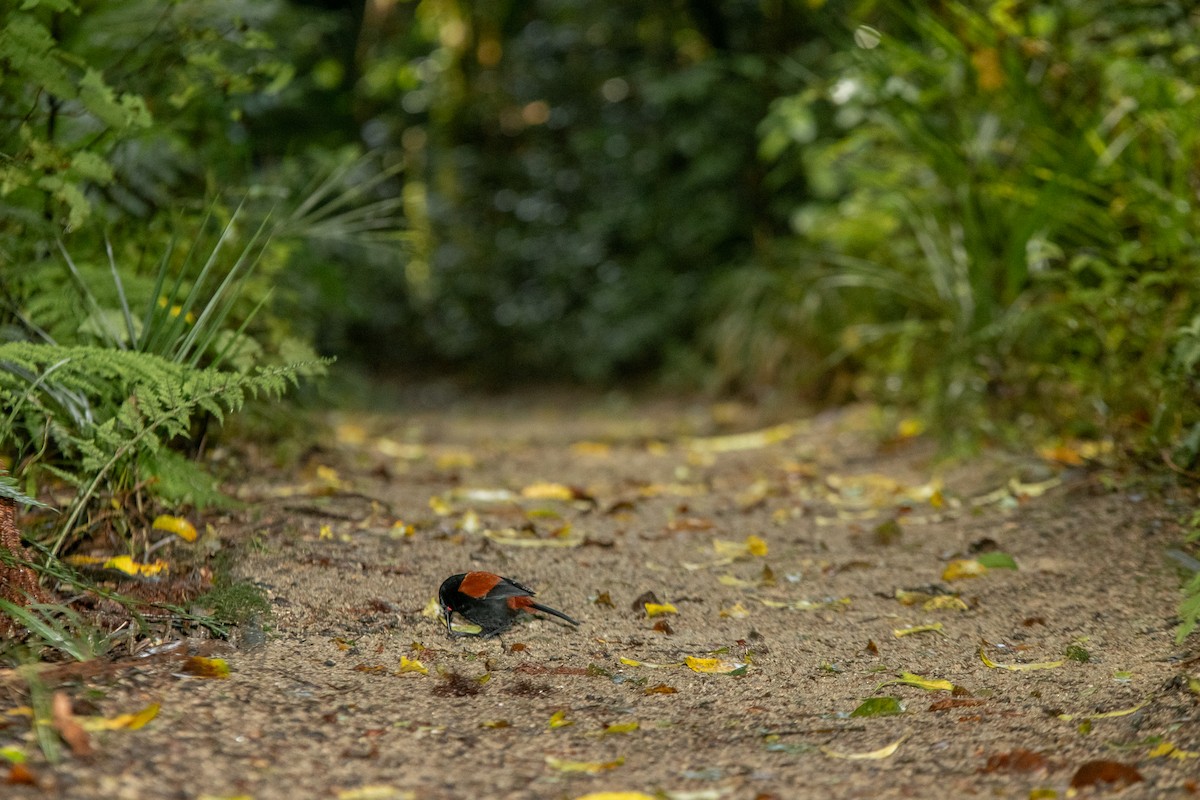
[(324, 709)]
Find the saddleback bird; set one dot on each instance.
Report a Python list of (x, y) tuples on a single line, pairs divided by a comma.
[(490, 601)]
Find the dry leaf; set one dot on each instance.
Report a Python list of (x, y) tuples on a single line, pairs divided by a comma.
[(935, 627), (744, 441), (1124, 712), (615, 796), (20, 775), (715, 666), (590, 767), (928, 684), (945, 601), (1094, 773), (736, 611), (987, 662), (659, 609), (559, 720), (629, 662), (176, 525), (202, 667), (411, 665), (661, 688), (873, 755), (1019, 760), (131, 722), (375, 791), (621, 727), (962, 568), (68, 727)]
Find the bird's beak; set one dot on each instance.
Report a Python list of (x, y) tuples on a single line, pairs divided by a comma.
[(446, 613)]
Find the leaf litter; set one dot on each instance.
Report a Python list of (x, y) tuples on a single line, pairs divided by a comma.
[(800, 671)]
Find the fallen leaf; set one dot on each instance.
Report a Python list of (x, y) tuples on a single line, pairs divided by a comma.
[(375, 791), (934, 627), (928, 684), (123, 564), (987, 662), (20, 775), (658, 609), (661, 688), (878, 707), (176, 525), (996, 560), (590, 767), (559, 720), (752, 440), (621, 727), (962, 568), (411, 665), (1094, 773), (14, 755), (495, 723), (548, 491), (1019, 760), (615, 796), (1124, 712), (131, 722), (956, 702), (629, 662), (68, 727), (736, 611), (594, 449), (527, 538), (945, 602), (716, 666), (202, 667), (873, 755), (1170, 750)]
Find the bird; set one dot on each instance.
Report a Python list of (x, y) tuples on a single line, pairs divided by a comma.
[(490, 601)]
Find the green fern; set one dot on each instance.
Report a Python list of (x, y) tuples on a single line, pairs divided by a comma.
[(135, 403)]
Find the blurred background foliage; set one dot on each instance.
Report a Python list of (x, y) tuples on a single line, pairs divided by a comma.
[(982, 209)]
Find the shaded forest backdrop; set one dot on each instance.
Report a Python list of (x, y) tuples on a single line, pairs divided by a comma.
[(987, 211)]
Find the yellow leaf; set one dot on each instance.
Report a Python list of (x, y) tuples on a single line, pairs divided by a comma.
[(615, 796), (987, 662), (717, 666), (945, 601), (525, 538), (909, 427), (439, 506), (730, 580), (629, 662), (375, 791), (495, 723), (928, 684), (756, 546), (131, 722), (400, 527), (201, 667), (548, 491), (130, 567), (744, 441), (470, 522), (873, 755), (659, 609), (455, 459), (412, 665), (1123, 712), (935, 627), (590, 767), (1170, 750), (736, 611), (176, 525), (559, 720), (622, 727), (326, 532), (961, 568)]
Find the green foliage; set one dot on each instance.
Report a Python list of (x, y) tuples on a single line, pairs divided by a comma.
[(992, 230), (235, 602), (60, 628), (123, 407)]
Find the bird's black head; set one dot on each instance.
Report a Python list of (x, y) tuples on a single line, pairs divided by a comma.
[(447, 594)]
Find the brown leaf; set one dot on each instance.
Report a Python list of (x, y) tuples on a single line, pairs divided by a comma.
[(20, 774), (1094, 773), (1019, 760), (68, 727), (661, 688), (662, 626), (603, 599), (956, 702)]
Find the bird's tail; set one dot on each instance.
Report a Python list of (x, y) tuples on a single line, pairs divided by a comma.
[(553, 612)]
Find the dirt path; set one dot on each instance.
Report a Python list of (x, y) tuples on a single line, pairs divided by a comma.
[(322, 707)]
